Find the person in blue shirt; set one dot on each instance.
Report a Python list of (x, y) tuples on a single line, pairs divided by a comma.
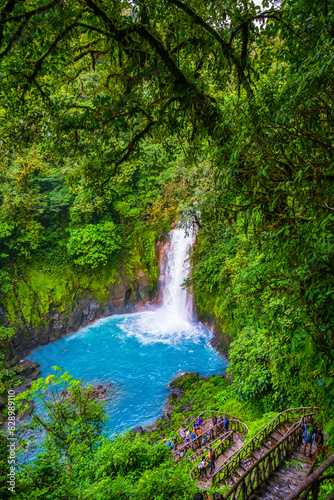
[(226, 423), (308, 436)]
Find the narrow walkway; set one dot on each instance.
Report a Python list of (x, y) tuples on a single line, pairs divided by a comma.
[(209, 436), (287, 479), (205, 483), (246, 463)]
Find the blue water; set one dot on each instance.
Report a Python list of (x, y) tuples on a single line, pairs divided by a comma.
[(138, 354)]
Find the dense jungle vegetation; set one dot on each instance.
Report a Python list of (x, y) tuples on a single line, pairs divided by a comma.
[(118, 118)]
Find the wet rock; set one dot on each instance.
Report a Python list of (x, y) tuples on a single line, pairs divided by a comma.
[(97, 392), (165, 417), (26, 368), (21, 388), (85, 310), (137, 430), (185, 407), (150, 428), (36, 373), (22, 416), (15, 361), (78, 308), (172, 396)]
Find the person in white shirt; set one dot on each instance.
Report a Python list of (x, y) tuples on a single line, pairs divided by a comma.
[(202, 467)]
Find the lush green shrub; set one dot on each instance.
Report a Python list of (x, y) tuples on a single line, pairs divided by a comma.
[(94, 244)]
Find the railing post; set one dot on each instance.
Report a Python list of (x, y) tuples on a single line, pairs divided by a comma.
[(244, 490), (315, 490)]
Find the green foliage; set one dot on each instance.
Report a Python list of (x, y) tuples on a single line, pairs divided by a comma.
[(93, 244), (77, 459), (118, 119), (6, 333)]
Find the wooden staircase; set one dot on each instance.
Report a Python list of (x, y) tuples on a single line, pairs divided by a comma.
[(268, 441), (258, 470), (205, 483), (261, 468), (286, 479), (211, 433)]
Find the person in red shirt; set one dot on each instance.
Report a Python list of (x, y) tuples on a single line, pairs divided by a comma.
[(212, 458)]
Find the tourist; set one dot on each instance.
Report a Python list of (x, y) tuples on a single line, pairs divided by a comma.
[(198, 496), (211, 431), (181, 432), (212, 458), (319, 436), (187, 435), (175, 443), (319, 440), (308, 431), (199, 431), (214, 420), (204, 439), (193, 435), (200, 421), (170, 444), (181, 454), (226, 423), (202, 467)]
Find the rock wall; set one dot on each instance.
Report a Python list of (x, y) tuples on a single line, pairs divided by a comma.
[(221, 339), (42, 314)]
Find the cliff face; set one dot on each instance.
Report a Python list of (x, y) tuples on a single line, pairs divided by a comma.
[(222, 334), (42, 306)]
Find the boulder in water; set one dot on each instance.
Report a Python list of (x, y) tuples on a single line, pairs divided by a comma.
[(97, 392)]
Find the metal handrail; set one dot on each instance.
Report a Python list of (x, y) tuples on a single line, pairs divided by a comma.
[(255, 442)]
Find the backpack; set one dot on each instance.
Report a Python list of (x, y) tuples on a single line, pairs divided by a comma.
[(308, 433)]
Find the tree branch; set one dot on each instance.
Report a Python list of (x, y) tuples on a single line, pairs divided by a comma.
[(29, 14), (226, 47), (129, 149)]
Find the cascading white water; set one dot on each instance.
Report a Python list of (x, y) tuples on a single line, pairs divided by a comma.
[(172, 321), (176, 301)]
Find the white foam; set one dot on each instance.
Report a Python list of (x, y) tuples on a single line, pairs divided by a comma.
[(151, 327), (177, 302)]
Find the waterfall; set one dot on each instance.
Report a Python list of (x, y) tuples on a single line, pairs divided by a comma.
[(177, 302), (171, 322)]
